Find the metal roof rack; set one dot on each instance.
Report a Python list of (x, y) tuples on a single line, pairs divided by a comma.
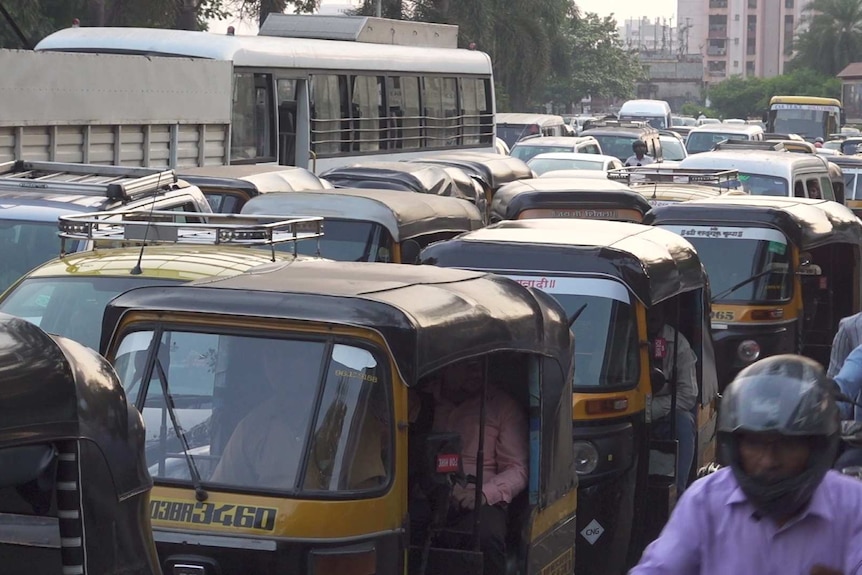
[(750, 145), (113, 182), (171, 227), (618, 124), (642, 175)]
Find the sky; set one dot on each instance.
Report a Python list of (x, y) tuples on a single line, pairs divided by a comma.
[(621, 9)]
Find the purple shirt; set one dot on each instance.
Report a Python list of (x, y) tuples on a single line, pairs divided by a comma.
[(712, 532)]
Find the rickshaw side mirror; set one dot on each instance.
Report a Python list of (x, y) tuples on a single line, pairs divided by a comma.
[(410, 252), (657, 380)]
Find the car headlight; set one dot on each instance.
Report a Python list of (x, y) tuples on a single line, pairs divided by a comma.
[(586, 457), (748, 350)]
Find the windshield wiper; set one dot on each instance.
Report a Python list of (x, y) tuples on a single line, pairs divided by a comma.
[(200, 492), (746, 281)]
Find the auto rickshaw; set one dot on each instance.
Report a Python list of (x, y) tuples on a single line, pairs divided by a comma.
[(783, 271), (228, 188), (310, 469), (610, 277), (74, 486), (492, 170), (567, 198), (372, 225), (438, 180)]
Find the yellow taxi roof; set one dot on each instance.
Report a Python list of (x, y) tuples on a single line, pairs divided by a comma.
[(178, 262)]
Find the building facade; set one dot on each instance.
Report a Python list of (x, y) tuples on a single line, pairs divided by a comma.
[(740, 37)]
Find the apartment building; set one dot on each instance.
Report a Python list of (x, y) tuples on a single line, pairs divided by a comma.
[(740, 37)]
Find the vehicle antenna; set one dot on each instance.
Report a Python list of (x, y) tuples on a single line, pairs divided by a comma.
[(136, 271), (576, 315)]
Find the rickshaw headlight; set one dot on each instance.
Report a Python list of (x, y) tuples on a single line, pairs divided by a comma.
[(586, 457), (748, 350)]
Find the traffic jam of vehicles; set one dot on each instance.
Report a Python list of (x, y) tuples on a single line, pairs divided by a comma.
[(267, 309)]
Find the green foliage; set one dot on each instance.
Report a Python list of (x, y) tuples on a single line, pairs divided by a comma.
[(598, 65), (832, 36), (739, 97), (695, 110)]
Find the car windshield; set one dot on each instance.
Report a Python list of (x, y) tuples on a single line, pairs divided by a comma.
[(606, 354), (348, 241), (759, 185), (542, 165), (659, 123), (259, 413), (70, 306), (525, 152), (25, 245), (672, 149), (851, 181), (704, 141), (618, 146), (759, 255)]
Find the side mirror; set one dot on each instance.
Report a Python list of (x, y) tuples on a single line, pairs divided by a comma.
[(410, 252), (657, 380)]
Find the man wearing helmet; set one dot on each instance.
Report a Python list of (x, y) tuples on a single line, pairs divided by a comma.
[(639, 158), (776, 508), (818, 142)]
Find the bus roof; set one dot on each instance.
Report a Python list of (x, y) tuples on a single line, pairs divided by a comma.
[(813, 100), (269, 52)]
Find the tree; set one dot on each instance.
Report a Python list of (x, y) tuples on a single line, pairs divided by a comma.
[(833, 37), (260, 9), (739, 97), (597, 63)]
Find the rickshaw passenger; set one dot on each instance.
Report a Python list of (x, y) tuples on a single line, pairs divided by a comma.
[(662, 337), (458, 400)]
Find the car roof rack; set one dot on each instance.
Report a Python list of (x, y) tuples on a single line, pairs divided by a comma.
[(750, 145), (648, 175), (618, 124), (142, 227), (113, 182)]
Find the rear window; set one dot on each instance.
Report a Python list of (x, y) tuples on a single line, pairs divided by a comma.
[(526, 152), (704, 141), (618, 146)]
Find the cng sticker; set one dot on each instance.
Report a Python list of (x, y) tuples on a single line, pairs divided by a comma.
[(592, 532)]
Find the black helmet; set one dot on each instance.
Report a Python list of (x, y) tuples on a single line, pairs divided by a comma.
[(639, 144), (792, 396)]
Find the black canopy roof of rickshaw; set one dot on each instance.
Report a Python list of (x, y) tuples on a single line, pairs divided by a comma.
[(654, 266), (808, 223), (429, 316), (421, 178), (515, 197), (54, 389), (404, 215), (253, 179), (493, 169)]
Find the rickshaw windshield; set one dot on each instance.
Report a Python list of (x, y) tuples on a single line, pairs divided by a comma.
[(348, 241), (759, 271), (252, 413), (606, 342)]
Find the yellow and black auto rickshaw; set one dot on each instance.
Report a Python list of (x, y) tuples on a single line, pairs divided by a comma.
[(585, 198), (74, 487), (783, 272), (280, 416), (611, 277), (373, 225)]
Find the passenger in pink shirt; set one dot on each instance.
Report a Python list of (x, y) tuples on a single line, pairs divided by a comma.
[(457, 408)]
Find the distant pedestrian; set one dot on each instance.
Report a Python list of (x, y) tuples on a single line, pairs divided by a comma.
[(701, 116)]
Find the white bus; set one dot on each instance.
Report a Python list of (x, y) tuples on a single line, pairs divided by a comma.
[(318, 103)]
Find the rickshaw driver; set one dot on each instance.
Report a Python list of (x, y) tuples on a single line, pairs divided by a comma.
[(662, 337), (457, 405)]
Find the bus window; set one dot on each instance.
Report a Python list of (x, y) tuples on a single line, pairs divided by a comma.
[(366, 111), (432, 100), (404, 113), (449, 88), (286, 93), (472, 106), (328, 110), (252, 118)]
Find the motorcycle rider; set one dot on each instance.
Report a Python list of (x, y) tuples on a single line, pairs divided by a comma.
[(640, 157), (777, 508)]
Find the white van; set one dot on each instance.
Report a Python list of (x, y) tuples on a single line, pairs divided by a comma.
[(512, 127), (656, 112), (703, 138)]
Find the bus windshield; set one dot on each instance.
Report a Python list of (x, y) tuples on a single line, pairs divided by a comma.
[(606, 354), (806, 121), (759, 271), (259, 413)]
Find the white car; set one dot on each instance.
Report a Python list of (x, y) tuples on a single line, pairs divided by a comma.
[(672, 147), (572, 161)]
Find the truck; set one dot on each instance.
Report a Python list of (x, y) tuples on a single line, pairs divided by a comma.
[(128, 110)]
